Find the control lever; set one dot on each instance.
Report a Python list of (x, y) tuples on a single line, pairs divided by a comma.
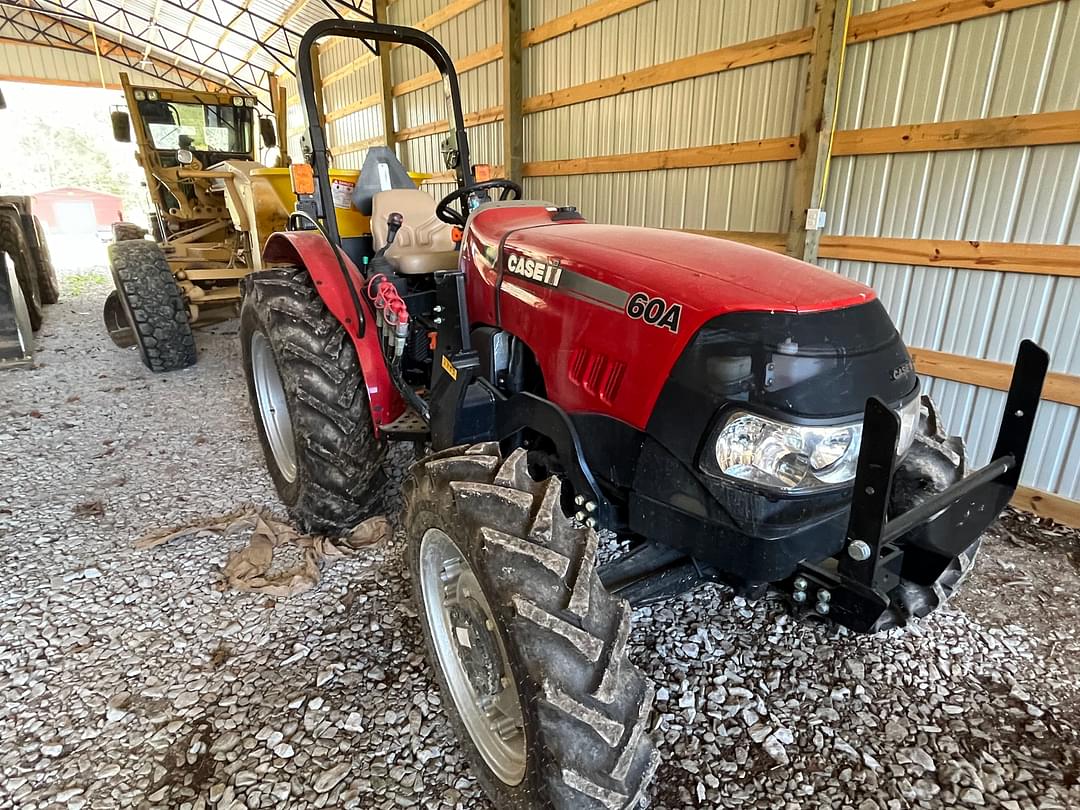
[(393, 225)]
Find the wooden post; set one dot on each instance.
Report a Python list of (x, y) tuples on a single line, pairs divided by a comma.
[(279, 102), (816, 125), (386, 82), (513, 121)]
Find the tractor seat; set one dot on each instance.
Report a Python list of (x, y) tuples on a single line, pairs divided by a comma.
[(423, 243)]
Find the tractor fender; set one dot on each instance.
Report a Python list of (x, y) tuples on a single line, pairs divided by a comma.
[(311, 251)]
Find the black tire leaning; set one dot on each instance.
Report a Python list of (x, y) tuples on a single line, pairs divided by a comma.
[(586, 707), (46, 272), (126, 231), (13, 242), (339, 458), (153, 305), (934, 462)]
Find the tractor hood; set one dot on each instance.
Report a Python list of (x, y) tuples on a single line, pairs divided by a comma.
[(712, 275)]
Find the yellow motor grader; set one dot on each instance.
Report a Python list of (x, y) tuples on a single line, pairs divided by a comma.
[(213, 207)]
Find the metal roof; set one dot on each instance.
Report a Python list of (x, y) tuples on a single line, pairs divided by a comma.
[(220, 43)]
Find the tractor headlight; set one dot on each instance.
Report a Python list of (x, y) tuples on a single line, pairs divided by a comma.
[(152, 95), (140, 95), (238, 101), (795, 458)]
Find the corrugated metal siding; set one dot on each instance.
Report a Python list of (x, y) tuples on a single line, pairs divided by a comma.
[(36, 63), (760, 101), (473, 30), (1013, 63)]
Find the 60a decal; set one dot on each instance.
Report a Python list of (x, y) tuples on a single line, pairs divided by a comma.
[(655, 311)]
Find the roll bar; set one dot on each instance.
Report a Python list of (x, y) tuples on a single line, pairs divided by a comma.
[(378, 32)]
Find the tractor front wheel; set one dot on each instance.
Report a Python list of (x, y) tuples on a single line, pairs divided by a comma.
[(153, 305), (311, 408), (927, 581), (528, 647)]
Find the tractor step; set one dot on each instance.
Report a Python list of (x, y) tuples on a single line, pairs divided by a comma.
[(410, 426)]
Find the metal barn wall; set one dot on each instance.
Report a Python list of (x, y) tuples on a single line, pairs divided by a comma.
[(1024, 61), (743, 104), (475, 29), (36, 63)]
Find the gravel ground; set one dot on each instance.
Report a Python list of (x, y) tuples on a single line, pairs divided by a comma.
[(132, 679)]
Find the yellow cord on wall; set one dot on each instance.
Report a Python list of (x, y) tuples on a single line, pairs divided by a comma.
[(97, 53), (836, 107)]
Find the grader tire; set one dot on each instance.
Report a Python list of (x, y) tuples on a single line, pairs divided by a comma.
[(127, 231), (153, 305), (46, 272), (13, 242), (585, 708), (934, 463), (310, 402)]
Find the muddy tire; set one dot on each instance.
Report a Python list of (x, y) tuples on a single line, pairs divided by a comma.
[(13, 242), (934, 463), (153, 304), (48, 285), (310, 403), (584, 709), (126, 231)]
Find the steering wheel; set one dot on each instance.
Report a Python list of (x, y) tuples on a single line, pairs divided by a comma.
[(452, 216)]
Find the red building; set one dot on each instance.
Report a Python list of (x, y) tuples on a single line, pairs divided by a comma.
[(75, 211)]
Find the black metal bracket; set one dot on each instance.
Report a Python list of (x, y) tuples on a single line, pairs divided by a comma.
[(945, 523)]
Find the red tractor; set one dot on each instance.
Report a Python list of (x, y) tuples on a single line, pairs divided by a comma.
[(729, 414)]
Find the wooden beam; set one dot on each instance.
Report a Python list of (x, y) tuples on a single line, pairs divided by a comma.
[(1006, 257), (767, 49), (1048, 505), (356, 106), (1035, 129), (776, 242), (921, 14), (513, 129), (1063, 388), (433, 20), (769, 149), (473, 61), (359, 146), (435, 127), (587, 15), (386, 82), (348, 68), (816, 122)]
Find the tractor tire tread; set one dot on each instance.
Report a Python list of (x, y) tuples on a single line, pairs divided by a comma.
[(13, 242), (592, 705), (154, 305), (335, 436), (48, 285)]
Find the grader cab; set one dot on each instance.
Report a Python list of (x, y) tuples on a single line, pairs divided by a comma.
[(213, 205)]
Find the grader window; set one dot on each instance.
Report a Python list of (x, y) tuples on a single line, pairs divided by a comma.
[(206, 128)]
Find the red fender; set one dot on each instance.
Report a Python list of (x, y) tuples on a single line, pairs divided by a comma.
[(311, 250)]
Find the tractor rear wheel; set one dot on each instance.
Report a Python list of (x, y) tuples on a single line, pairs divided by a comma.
[(46, 273), (13, 242), (153, 305), (528, 647), (311, 408), (934, 463)]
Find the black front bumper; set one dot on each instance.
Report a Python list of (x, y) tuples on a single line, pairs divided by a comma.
[(853, 551)]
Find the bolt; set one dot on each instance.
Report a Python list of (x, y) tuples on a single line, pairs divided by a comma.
[(824, 596), (437, 309), (801, 584), (579, 516), (859, 551), (438, 320), (799, 596), (591, 506), (465, 593), (823, 608), (579, 500), (506, 727), (504, 683), (489, 625), (590, 522)]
